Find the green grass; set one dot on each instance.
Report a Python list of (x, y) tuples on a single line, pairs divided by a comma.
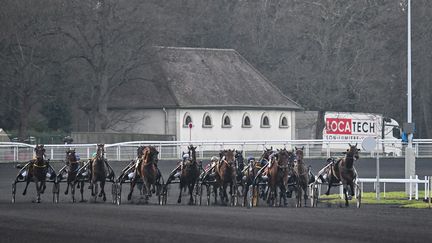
[(391, 198)]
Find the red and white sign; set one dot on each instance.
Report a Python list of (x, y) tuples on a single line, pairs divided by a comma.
[(350, 126)]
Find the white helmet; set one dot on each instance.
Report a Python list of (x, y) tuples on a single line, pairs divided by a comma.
[(214, 158), (185, 156)]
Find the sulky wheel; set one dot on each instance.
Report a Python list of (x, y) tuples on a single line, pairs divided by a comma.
[(56, 192), (114, 193), (314, 196), (250, 196), (119, 193), (13, 192), (358, 195)]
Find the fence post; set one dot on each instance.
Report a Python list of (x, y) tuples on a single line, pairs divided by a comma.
[(430, 189), (410, 189), (416, 188)]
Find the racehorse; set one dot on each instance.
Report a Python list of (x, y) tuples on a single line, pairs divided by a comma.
[(98, 171), (239, 164), (301, 174), (278, 176), (73, 167), (189, 174), (147, 169), (248, 176), (226, 175), (343, 172), (37, 172)]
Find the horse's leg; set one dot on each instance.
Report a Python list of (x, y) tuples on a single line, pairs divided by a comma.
[(330, 181), (27, 183), (73, 191), (345, 191), (38, 188), (82, 190), (67, 187), (191, 188), (352, 188), (180, 194), (305, 197), (102, 193), (132, 185), (215, 193)]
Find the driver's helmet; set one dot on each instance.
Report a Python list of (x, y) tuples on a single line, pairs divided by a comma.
[(94, 155), (214, 158), (250, 158), (185, 156), (77, 157)]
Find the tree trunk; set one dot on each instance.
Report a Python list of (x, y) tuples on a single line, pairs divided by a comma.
[(319, 125)]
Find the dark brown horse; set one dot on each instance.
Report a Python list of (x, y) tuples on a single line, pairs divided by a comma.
[(72, 171), (98, 172), (342, 171), (147, 170), (189, 174), (226, 175), (38, 169), (301, 174), (277, 173)]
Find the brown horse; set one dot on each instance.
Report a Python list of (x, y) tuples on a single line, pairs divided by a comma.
[(98, 172), (37, 172), (277, 173), (147, 170), (248, 175), (189, 174), (301, 174), (342, 171), (72, 171), (226, 175)]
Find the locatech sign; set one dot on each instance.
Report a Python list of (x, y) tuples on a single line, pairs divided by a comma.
[(349, 126)]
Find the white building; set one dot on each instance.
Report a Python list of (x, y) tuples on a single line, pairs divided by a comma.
[(216, 90)]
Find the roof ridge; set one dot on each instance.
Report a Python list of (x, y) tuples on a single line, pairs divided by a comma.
[(194, 48)]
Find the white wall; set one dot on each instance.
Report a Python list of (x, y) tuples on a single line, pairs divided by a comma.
[(236, 132)]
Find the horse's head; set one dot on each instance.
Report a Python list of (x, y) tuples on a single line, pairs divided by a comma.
[(239, 157), (284, 156), (267, 152), (299, 153), (192, 152), (100, 152), (150, 155), (40, 152), (71, 155), (228, 156), (352, 152)]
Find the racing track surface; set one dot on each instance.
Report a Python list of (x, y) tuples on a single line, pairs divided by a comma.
[(25, 221)]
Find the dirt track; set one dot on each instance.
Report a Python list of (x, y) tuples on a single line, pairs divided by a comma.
[(91, 222)]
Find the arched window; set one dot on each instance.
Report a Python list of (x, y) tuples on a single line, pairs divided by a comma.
[(265, 121), (226, 120), (187, 119), (283, 121), (207, 121), (246, 120)]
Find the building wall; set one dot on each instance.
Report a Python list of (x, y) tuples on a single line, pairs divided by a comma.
[(148, 121), (236, 131)]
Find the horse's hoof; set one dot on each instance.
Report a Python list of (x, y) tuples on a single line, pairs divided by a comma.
[(129, 197), (82, 200), (349, 197), (179, 201), (104, 199), (66, 193)]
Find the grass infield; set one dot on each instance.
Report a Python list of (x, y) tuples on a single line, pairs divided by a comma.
[(399, 199)]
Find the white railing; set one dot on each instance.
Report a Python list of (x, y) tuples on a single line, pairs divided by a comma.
[(411, 181), (172, 149)]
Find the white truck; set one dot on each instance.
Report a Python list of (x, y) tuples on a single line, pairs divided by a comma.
[(349, 127)]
